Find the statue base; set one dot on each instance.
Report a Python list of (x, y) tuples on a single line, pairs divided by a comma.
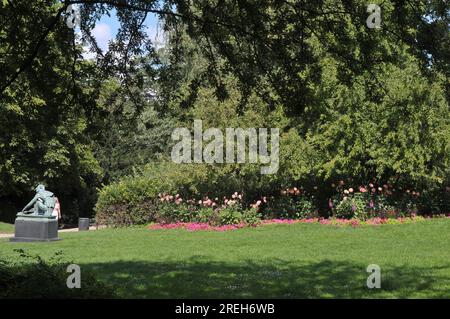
[(35, 228)]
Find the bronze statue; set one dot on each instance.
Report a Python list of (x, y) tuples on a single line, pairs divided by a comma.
[(41, 205)]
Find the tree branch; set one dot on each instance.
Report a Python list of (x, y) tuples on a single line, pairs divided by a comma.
[(29, 60)]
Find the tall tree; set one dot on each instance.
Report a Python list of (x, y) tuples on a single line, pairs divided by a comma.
[(43, 107)]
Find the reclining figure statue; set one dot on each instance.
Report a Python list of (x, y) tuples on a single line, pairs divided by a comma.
[(42, 204)]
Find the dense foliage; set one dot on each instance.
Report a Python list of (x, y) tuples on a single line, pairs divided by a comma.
[(32, 277), (43, 122), (353, 104)]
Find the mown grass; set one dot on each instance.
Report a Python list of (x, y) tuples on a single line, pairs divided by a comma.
[(283, 261), (6, 228)]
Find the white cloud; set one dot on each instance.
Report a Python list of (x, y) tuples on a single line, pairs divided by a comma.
[(102, 33), (156, 35)]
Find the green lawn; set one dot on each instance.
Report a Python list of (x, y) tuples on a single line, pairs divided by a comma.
[(6, 228), (286, 261)]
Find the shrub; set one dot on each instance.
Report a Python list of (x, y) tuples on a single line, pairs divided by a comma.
[(293, 203), (30, 276), (304, 208), (352, 207), (204, 215), (228, 216), (137, 200), (128, 202), (381, 206), (435, 200), (170, 212), (127, 214), (251, 217)]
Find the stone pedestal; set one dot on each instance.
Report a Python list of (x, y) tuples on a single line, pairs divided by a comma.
[(34, 228)]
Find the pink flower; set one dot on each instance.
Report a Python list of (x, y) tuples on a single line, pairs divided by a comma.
[(322, 221), (354, 222)]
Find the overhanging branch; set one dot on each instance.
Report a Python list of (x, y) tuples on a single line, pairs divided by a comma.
[(29, 60)]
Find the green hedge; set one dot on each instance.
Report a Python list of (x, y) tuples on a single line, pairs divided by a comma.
[(134, 200), (127, 202)]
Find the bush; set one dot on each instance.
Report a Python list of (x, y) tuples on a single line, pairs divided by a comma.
[(352, 207), (251, 217), (137, 200), (293, 203), (127, 214), (383, 207), (128, 202), (228, 216), (30, 276), (435, 201), (204, 215), (170, 212)]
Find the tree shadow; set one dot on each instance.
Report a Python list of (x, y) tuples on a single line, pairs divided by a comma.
[(273, 278)]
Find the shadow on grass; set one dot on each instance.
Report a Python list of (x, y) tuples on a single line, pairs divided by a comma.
[(200, 278)]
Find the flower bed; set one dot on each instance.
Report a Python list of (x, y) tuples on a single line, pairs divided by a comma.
[(138, 201), (332, 221)]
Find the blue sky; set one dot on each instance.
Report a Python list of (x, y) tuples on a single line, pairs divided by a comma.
[(106, 29)]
